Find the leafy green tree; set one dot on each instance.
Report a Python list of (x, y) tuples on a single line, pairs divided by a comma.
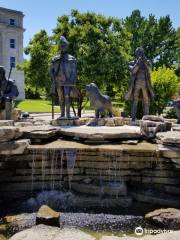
[(36, 68), (156, 36), (165, 85), (101, 45), (177, 62)]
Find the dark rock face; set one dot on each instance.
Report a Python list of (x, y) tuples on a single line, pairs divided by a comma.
[(47, 216), (101, 103), (150, 125), (167, 218)]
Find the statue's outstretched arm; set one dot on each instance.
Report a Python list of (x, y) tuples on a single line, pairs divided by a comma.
[(133, 68)]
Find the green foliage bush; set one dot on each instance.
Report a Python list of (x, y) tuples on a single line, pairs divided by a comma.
[(169, 112), (165, 85)]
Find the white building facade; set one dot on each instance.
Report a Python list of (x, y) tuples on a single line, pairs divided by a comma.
[(11, 45)]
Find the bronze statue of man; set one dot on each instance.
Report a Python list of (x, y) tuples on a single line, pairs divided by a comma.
[(8, 92), (140, 83), (63, 72)]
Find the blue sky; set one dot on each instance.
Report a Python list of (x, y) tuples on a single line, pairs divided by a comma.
[(43, 13)]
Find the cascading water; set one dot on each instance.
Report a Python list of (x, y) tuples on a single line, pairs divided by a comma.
[(33, 170), (71, 159), (43, 168)]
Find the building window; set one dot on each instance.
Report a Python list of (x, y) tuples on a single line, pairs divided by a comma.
[(12, 43), (12, 21), (13, 62)]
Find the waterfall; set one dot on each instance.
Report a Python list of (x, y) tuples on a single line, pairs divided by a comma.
[(33, 170), (61, 166), (43, 168), (71, 159)]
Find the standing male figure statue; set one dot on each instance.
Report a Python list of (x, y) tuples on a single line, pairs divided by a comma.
[(63, 71), (140, 83), (8, 92)]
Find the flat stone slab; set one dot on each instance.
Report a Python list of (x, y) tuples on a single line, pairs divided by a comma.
[(6, 122), (8, 133), (176, 127), (169, 138), (14, 147), (102, 133), (39, 132)]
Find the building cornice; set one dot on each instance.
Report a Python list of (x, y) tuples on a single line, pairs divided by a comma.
[(12, 11)]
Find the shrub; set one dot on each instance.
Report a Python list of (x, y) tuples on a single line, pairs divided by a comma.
[(169, 112), (165, 85)]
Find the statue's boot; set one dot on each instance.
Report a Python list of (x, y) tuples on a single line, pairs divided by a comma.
[(134, 110), (67, 103), (62, 106)]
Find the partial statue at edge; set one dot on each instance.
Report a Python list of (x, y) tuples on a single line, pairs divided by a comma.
[(63, 71), (8, 92), (140, 83)]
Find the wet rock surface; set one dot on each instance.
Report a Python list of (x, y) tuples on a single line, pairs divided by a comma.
[(168, 218)]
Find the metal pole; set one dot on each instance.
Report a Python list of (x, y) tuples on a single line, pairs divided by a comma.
[(53, 93)]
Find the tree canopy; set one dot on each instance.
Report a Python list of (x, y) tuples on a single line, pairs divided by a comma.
[(36, 68), (156, 36), (101, 45)]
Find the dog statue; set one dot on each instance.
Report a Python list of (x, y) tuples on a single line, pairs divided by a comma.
[(101, 103)]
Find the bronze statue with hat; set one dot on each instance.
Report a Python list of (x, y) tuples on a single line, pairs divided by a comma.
[(63, 71)]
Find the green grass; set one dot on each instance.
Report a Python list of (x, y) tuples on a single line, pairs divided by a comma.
[(30, 105)]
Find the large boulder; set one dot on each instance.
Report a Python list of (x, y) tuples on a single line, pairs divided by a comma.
[(51, 233), (48, 216), (168, 218), (150, 125), (8, 133)]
